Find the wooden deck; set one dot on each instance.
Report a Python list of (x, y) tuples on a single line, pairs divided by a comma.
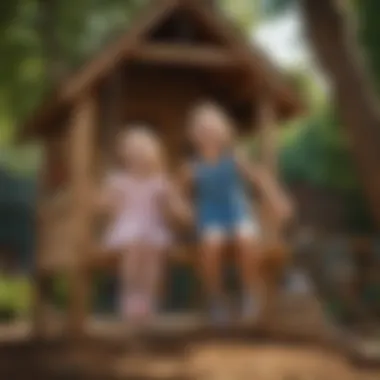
[(168, 327), (290, 316)]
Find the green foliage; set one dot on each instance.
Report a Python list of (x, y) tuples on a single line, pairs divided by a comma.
[(245, 13), (317, 153), (84, 27), (21, 64), (314, 149), (276, 7), (22, 161), (15, 295), (369, 31), (80, 28)]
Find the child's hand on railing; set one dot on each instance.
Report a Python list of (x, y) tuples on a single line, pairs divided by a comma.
[(179, 209)]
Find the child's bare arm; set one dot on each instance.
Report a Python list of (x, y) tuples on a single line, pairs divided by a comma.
[(103, 198), (184, 179), (258, 176), (177, 204), (177, 193), (108, 196)]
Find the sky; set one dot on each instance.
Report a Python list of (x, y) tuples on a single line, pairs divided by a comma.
[(281, 39)]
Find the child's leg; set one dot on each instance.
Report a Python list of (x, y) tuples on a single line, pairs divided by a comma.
[(154, 269), (211, 248), (212, 245), (130, 278), (247, 255), (248, 262)]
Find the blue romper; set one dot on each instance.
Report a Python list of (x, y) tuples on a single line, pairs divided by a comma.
[(220, 198)]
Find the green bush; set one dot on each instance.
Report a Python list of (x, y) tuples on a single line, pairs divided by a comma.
[(15, 296)]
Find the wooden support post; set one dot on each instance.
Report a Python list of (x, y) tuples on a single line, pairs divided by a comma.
[(268, 153), (40, 301), (81, 142), (270, 231), (51, 179)]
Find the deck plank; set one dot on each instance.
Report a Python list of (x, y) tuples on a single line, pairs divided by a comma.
[(168, 326)]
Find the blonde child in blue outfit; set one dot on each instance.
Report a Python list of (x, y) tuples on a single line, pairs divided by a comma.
[(218, 176)]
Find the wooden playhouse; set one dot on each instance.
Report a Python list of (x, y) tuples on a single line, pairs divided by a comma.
[(174, 54)]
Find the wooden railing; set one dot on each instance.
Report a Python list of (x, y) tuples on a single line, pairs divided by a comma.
[(58, 253)]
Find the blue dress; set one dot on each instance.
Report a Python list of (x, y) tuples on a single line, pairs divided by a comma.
[(220, 198)]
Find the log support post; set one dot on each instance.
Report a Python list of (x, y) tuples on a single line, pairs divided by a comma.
[(50, 179), (81, 141), (40, 291), (272, 247), (268, 157)]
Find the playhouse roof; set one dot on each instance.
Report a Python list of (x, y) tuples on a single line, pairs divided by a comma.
[(235, 49)]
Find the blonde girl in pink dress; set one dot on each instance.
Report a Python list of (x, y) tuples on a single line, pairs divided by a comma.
[(140, 196)]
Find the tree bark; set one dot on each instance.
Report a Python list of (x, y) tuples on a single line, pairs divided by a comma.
[(333, 38)]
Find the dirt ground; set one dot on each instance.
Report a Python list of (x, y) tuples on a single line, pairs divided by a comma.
[(199, 360), (245, 362)]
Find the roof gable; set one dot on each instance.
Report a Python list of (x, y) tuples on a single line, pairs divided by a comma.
[(219, 30)]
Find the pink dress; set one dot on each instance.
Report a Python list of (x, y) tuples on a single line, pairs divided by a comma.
[(139, 217)]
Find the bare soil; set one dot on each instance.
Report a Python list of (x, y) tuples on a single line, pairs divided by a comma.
[(245, 362)]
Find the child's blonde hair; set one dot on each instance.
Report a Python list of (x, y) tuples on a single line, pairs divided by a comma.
[(141, 134), (222, 125)]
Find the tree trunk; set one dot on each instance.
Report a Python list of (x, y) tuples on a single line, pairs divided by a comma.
[(334, 42)]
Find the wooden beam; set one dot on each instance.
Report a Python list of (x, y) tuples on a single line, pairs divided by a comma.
[(82, 152), (176, 54)]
